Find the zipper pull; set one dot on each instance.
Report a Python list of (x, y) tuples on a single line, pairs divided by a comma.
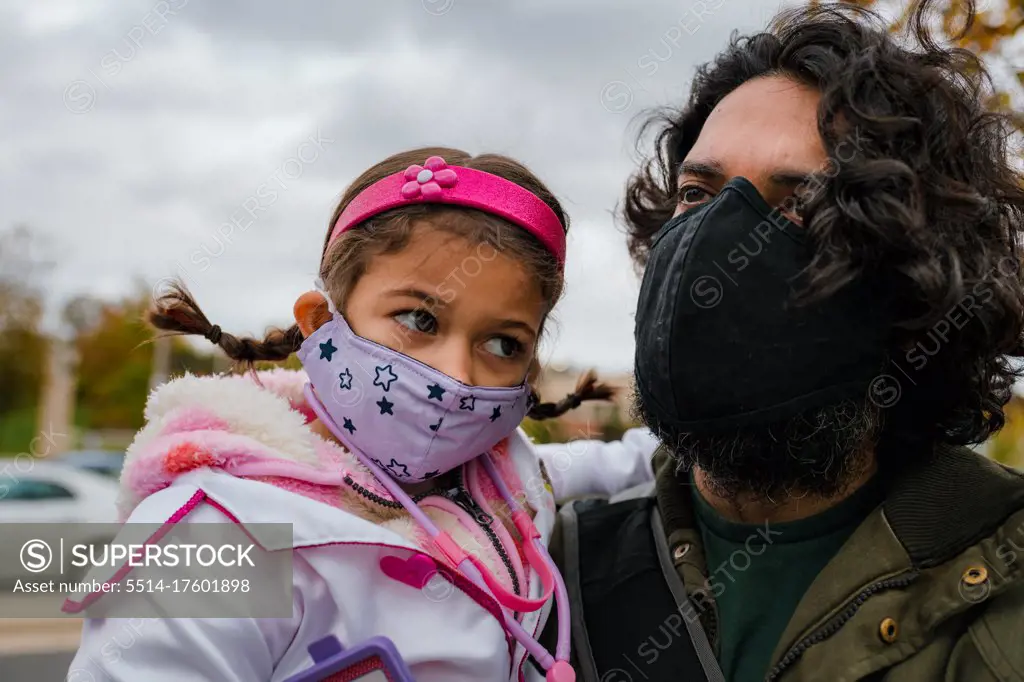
[(461, 497)]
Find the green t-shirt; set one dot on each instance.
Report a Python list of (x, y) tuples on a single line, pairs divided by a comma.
[(758, 573)]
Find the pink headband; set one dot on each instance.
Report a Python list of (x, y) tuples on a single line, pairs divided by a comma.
[(437, 182)]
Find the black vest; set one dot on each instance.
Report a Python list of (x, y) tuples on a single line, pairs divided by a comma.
[(631, 621)]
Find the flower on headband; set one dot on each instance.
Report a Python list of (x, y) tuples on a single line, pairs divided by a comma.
[(428, 179)]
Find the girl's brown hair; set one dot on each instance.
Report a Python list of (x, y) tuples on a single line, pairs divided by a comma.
[(345, 260)]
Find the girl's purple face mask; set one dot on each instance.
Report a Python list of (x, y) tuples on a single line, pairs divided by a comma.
[(413, 421)]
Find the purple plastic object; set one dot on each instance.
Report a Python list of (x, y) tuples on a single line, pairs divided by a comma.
[(375, 659)]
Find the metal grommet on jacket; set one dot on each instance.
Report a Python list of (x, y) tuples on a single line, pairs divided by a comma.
[(888, 630), (680, 551), (975, 575)]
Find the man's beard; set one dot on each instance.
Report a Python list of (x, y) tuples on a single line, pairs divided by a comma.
[(817, 453)]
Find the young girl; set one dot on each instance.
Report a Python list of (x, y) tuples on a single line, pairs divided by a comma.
[(398, 444)]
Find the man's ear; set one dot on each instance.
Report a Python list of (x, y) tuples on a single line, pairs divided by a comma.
[(311, 312)]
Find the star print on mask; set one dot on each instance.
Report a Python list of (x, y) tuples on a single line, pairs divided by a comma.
[(389, 376), (431, 474), (436, 392), (395, 466), (496, 413), (468, 403), (327, 350), (348, 425), (385, 406), (435, 427), (346, 379)]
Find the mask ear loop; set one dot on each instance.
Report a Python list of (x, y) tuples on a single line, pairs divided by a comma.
[(321, 288)]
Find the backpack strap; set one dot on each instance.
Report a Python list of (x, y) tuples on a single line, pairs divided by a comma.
[(699, 638), (630, 616)]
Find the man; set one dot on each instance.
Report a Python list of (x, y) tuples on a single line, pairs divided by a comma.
[(829, 232)]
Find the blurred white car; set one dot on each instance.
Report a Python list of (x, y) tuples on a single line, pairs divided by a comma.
[(50, 493), (109, 462)]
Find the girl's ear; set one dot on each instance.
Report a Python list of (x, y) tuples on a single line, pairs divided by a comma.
[(311, 312)]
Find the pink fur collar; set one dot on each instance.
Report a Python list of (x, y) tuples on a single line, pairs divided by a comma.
[(251, 427)]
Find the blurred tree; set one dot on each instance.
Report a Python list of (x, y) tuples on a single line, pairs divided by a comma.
[(23, 346), (292, 362), (1007, 445), (545, 431), (115, 360)]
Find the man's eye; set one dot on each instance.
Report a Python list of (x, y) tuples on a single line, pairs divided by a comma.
[(504, 346), (418, 320), (692, 195)]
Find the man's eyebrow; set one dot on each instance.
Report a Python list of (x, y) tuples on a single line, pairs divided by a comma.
[(711, 169)]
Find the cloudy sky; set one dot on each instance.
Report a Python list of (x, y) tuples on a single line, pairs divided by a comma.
[(133, 133)]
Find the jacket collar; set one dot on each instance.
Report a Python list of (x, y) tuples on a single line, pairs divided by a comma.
[(950, 502)]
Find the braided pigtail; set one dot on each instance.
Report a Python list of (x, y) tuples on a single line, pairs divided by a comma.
[(587, 388), (177, 312)]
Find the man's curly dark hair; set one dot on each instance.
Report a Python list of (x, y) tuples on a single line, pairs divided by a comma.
[(925, 194)]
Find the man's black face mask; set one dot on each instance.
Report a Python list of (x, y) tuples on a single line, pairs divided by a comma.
[(720, 342)]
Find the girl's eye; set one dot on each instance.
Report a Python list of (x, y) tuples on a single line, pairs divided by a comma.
[(690, 195), (418, 321), (504, 347)]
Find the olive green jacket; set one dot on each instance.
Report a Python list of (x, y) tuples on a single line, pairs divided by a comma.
[(929, 587)]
